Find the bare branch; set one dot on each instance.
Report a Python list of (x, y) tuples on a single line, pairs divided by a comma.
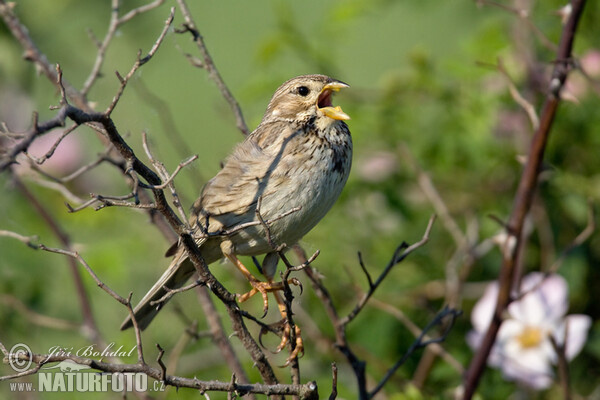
[(140, 61), (163, 367), (171, 292), (114, 24), (33, 54), (305, 391), (396, 258), (167, 179), (140, 10), (334, 378), (417, 332), (515, 94), (209, 66), (421, 342), (584, 235), (524, 196), (28, 240), (524, 16), (434, 197), (36, 318)]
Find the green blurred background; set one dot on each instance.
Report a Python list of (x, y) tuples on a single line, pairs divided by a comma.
[(417, 83)]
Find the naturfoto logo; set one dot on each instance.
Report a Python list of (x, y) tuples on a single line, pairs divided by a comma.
[(70, 376)]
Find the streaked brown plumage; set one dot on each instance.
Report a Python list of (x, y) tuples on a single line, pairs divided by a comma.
[(299, 156)]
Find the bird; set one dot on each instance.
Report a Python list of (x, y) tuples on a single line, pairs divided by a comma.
[(288, 173)]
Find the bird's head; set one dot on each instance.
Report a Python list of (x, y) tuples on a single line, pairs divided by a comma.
[(304, 97)]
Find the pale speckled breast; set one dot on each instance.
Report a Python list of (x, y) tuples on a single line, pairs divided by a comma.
[(311, 177)]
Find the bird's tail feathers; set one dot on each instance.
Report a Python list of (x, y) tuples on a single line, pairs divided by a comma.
[(179, 271)]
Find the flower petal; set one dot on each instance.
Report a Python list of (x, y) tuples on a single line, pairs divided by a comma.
[(577, 327), (530, 367), (544, 300), (482, 313)]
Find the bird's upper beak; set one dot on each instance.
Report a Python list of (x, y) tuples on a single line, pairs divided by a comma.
[(324, 101)]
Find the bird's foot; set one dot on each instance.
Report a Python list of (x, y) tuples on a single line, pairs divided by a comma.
[(263, 288), (297, 348)]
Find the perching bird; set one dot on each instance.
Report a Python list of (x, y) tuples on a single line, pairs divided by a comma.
[(299, 157)]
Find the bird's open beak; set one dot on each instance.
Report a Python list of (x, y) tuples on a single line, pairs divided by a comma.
[(324, 101)]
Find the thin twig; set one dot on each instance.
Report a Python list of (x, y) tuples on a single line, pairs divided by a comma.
[(209, 65), (139, 62), (524, 16), (171, 292), (163, 367), (36, 318), (167, 179), (396, 258), (417, 332), (584, 235), (28, 240), (421, 342), (139, 10), (334, 379), (515, 94), (33, 54)]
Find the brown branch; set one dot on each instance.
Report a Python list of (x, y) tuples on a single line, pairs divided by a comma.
[(102, 47), (524, 197), (219, 337), (75, 255), (340, 324), (563, 365), (524, 16), (114, 24), (171, 292), (334, 379), (163, 367), (34, 317), (306, 391), (515, 94), (436, 348), (168, 179), (421, 341), (139, 62), (209, 65), (33, 54), (28, 240), (584, 235), (61, 235), (396, 258)]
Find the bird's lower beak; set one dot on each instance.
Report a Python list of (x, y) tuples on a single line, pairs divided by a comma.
[(324, 101)]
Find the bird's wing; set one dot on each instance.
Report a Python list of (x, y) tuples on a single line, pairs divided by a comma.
[(249, 173)]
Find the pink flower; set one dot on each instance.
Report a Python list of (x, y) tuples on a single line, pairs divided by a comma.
[(523, 348)]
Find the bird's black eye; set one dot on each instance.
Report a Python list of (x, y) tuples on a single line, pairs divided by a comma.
[(303, 90)]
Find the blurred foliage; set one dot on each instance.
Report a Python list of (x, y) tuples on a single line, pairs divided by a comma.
[(418, 83)]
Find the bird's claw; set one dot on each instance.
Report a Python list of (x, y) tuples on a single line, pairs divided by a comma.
[(263, 288), (297, 349)]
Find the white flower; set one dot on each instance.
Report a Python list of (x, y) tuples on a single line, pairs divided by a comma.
[(523, 348)]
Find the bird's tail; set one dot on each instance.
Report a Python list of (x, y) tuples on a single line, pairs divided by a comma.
[(180, 270)]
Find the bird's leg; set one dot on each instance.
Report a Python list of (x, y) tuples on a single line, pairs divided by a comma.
[(269, 267), (257, 286), (286, 337)]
